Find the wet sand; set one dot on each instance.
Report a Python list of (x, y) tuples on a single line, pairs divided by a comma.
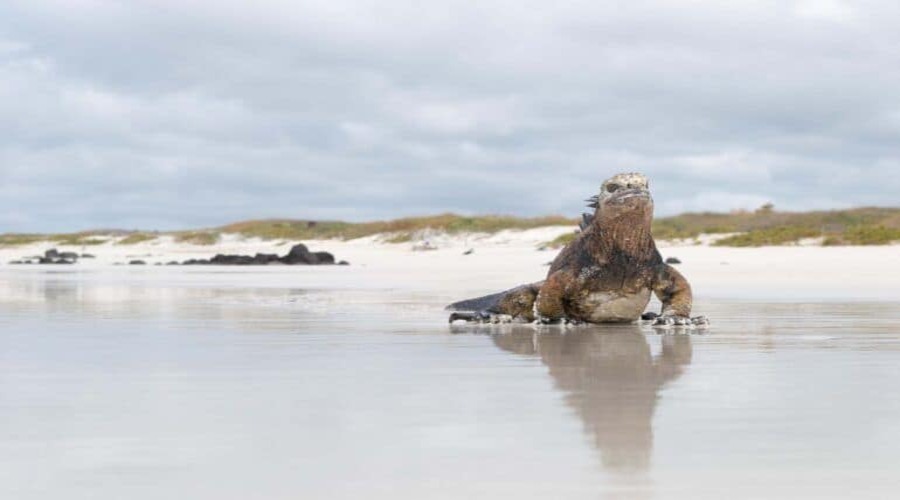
[(343, 383)]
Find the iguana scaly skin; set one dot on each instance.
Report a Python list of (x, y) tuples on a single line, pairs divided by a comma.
[(605, 275)]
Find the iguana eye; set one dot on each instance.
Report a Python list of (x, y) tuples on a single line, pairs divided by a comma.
[(612, 188)]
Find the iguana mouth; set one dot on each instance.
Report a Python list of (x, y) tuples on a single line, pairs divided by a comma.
[(624, 195)]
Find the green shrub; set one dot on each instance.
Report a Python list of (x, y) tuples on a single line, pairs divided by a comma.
[(864, 235), (135, 238), (78, 239), (197, 237), (19, 239), (399, 238), (561, 240), (781, 235), (73, 239)]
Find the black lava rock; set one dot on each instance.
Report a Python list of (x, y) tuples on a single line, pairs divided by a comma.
[(265, 258), (324, 258), (298, 255), (195, 262), (231, 260), (53, 256)]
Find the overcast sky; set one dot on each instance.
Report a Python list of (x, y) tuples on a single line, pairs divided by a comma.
[(177, 114)]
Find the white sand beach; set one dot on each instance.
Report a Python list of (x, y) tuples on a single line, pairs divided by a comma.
[(508, 258)]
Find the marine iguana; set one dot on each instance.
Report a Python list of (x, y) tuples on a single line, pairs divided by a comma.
[(605, 275)]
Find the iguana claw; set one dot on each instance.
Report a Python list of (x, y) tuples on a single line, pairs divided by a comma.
[(543, 320), (479, 317), (669, 320)]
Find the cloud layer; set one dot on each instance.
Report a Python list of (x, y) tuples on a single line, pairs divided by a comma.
[(173, 114)]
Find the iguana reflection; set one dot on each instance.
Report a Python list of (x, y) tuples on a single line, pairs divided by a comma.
[(610, 378)]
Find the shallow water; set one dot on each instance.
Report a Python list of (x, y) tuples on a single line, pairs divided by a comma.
[(121, 384)]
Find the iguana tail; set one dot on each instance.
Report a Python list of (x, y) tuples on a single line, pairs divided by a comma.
[(488, 303), (516, 302)]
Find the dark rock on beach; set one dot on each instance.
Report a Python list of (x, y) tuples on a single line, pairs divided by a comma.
[(673, 260), (265, 258), (324, 258), (136, 263), (52, 256), (56, 260), (222, 259), (195, 262), (298, 255)]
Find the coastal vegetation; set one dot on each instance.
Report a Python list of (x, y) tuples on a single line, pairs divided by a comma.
[(765, 226), (561, 240), (72, 239), (761, 227), (400, 230), (768, 226), (198, 237), (136, 237)]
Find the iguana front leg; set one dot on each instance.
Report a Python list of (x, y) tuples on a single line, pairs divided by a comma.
[(674, 292), (549, 306)]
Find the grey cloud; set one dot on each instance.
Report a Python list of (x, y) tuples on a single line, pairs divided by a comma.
[(180, 114)]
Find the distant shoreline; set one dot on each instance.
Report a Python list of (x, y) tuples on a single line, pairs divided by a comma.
[(762, 227), (499, 260)]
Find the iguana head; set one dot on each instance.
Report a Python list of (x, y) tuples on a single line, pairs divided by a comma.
[(623, 215), (626, 194)]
